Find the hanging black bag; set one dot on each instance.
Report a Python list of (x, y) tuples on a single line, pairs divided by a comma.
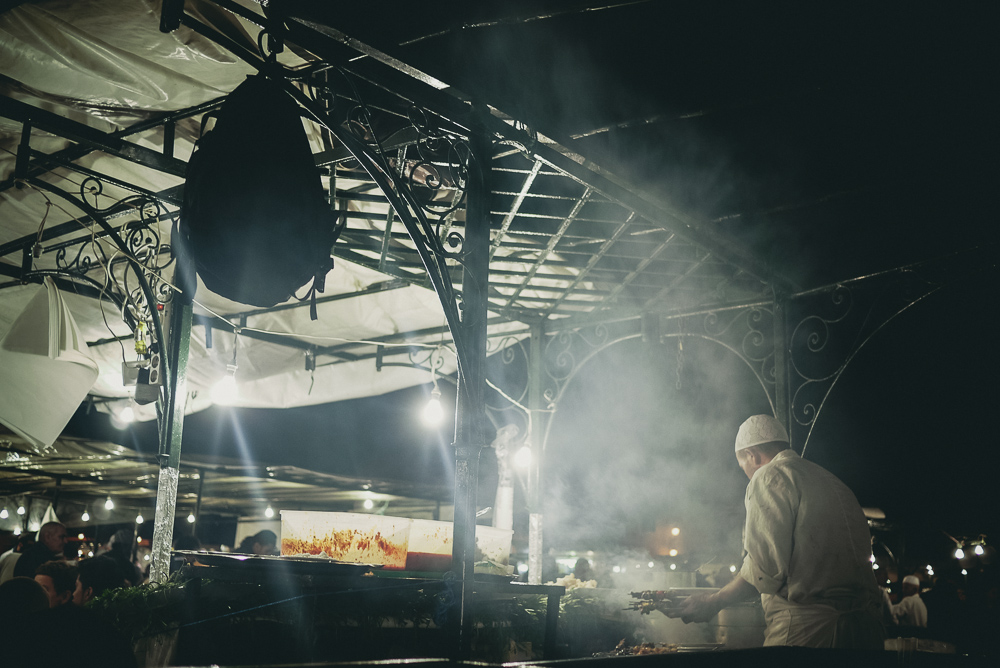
[(256, 223)]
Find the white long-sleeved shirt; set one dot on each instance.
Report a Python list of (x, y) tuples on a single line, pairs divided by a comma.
[(911, 611), (808, 549)]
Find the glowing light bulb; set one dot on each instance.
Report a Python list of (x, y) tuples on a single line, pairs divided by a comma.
[(17, 531), (34, 526), (269, 512), (139, 519), (522, 568), (109, 504), (732, 568), (675, 532), (85, 517), (522, 458), (959, 553), (21, 510), (127, 415), (965, 572), (617, 569), (433, 413), (225, 392), (145, 557), (651, 564), (673, 567), (872, 558), (875, 567), (979, 550), (4, 514), (138, 539), (191, 518), (368, 504), (79, 536), (673, 553), (90, 554)]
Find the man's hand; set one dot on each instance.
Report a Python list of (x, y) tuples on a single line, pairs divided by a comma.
[(697, 608)]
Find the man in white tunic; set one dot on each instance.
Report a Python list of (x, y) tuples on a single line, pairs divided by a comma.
[(911, 611), (808, 549)]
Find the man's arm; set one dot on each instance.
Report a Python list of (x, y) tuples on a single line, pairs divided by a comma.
[(702, 607)]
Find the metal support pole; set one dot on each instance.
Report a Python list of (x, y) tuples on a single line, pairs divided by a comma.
[(176, 346), (536, 438), (471, 408), (782, 409)]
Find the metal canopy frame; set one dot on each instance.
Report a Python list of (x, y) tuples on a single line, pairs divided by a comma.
[(541, 237)]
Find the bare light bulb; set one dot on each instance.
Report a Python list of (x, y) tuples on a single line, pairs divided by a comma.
[(127, 415), (109, 504), (17, 531), (4, 514), (959, 553), (675, 532), (732, 568), (269, 512), (85, 517), (139, 519), (225, 392), (191, 518), (673, 552), (673, 567), (433, 413), (21, 510), (522, 458), (368, 504), (979, 550)]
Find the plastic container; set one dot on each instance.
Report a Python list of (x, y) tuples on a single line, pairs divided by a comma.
[(431, 546), (350, 537)]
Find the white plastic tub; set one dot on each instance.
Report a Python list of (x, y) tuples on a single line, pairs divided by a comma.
[(431, 545), (350, 537)]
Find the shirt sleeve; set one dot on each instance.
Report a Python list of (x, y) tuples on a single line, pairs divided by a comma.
[(771, 507)]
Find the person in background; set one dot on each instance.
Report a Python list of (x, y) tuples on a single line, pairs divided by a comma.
[(120, 550), (20, 597), (808, 548), (9, 558), (910, 611), (58, 579), (95, 576), (261, 543), (582, 570), (50, 546)]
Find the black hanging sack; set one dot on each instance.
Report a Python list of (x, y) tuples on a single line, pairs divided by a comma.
[(256, 223)]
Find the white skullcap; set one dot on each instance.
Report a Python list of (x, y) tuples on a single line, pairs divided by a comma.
[(760, 429), (911, 580)]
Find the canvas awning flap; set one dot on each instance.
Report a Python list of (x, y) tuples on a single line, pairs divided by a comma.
[(47, 369)]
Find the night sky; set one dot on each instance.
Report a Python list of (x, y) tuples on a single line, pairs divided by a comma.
[(833, 142)]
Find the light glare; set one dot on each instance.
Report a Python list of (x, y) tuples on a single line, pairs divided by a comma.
[(433, 413), (522, 458), (225, 391)]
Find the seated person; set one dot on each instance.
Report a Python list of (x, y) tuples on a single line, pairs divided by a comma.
[(261, 543), (95, 576), (58, 579)]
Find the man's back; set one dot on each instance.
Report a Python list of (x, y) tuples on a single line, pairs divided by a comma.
[(807, 542)]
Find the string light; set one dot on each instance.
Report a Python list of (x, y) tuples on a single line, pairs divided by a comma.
[(433, 413), (522, 458), (225, 392)]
